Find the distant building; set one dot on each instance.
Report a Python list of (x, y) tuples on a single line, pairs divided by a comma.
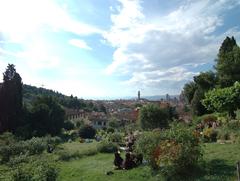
[(139, 95)]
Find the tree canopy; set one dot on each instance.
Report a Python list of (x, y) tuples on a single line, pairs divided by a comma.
[(152, 116), (10, 100), (223, 99)]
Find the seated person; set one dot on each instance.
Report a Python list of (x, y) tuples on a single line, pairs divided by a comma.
[(118, 161), (128, 162), (137, 159)]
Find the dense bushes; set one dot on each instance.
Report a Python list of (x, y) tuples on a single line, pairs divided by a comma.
[(35, 170), (173, 151), (87, 131), (28, 147), (152, 116), (107, 147)]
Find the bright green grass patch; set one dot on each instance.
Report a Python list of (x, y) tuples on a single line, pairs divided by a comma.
[(95, 168), (220, 165), (77, 146)]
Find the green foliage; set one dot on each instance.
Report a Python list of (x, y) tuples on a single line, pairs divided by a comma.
[(196, 105), (11, 100), (210, 135), (35, 170), (47, 116), (29, 147), (107, 147), (152, 116), (223, 99), (87, 131), (237, 113), (189, 90), (114, 123), (68, 125), (172, 151), (7, 138), (228, 63), (110, 130), (116, 137), (205, 80)]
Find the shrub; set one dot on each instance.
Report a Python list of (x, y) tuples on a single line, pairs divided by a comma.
[(87, 131), (116, 137), (36, 170), (66, 156), (110, 130), (209, 118), (210, 135), (21, 174), (68, 125), (107, 147), (172, 151), (152, 116), (29, 147), (7, 138)]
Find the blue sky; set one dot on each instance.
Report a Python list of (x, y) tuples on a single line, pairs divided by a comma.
[(113, 48)]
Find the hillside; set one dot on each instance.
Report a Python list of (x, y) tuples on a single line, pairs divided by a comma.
[(30, 93)]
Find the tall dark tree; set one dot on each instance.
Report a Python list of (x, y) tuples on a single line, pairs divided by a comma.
[(189, 90), (10, 100), (47, 116), (228, 63)]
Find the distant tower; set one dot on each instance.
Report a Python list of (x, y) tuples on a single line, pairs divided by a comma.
[(139, 95)]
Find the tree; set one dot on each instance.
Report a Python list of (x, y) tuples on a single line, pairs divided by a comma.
[(205, 80), (196, 104), (223, 99), (228, 63), (189, 90), (10, 100), (152, 116), (87, 131), (47, 116)]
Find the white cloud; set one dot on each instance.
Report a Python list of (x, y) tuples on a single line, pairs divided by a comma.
[(79, 43), (21, 19), (163, 46), (37, 55)]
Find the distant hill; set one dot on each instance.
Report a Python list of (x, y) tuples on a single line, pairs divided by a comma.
[(30, 93)]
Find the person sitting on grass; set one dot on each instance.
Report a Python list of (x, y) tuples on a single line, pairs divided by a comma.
[(118, 161), (128, 162)]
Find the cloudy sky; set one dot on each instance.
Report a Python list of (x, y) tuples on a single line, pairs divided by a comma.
[(113, 48)]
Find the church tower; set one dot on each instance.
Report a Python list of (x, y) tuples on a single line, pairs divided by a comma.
[(139, 95)]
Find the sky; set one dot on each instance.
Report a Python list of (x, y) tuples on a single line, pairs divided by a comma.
[(98, 49)]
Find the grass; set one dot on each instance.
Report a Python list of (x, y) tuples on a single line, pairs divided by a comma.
[(94, 168), (219, 165), (220, 161)]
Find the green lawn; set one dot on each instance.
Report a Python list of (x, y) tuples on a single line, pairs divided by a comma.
[(220, 161), (219, 165)]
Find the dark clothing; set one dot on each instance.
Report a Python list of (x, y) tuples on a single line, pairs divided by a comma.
[(118, 161), (128, 163)]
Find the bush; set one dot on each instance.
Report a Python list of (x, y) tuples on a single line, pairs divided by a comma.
[(210, 135), (68, 125), (35, 170), (152, 116), (87, 131), (21, 174), (116, 137), (110, 130), (172, 151), (29, 147), (7, 138), (107, 147), (66, 156)]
